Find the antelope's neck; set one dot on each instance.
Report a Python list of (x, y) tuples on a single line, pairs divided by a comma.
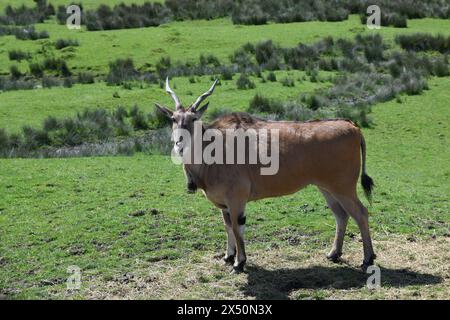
[(195, 173)]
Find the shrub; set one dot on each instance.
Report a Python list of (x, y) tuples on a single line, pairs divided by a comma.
[(4, 140), (271, 77), (23, 15), (440, 67), (244, 83), (49, 82), (34, 138), (138, 119), (64, 69), (158, 120), (424, 42), (15, 72), (51, 123), (36, 69), (28, 33), (68, 82), (85, 78), (226, 73), (260, 104), (63, 43), (18, 55), (162, 66), (412, 83), (127, 16), (121, 70), (288, 82)]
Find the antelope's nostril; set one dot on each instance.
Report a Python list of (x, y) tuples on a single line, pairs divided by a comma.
[(179, 144)]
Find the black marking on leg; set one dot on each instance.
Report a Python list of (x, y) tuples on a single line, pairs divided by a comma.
[(229, 259), (242, 219), (192, 187)]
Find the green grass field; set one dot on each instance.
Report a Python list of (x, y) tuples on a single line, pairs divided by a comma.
[(133, 230), (131, 217)]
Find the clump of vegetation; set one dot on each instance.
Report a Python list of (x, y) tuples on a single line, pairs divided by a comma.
[(15, 72), (85, 78), (260, 104), (124, 16), (23, 33), (271, 77), (120, 71), (88, 127), (288, 82), (23, 15), (244, 82), (424, 42), (18, 55), (63, 43)]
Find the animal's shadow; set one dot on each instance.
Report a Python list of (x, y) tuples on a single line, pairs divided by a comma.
[(278, 284)]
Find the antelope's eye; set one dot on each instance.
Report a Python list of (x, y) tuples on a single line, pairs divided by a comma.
[(173, 119)]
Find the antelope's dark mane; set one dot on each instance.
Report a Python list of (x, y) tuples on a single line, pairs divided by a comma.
[(236, 120)]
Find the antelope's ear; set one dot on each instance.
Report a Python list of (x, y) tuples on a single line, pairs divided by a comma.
[(164, 110), (202, 110)]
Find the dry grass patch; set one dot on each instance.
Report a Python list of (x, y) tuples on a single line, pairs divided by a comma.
[(410, 269)]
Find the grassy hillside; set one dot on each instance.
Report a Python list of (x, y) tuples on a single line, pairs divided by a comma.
[(18, 108), (187, 40), (132, 229)]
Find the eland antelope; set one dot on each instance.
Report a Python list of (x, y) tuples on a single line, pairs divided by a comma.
[(326, 153)]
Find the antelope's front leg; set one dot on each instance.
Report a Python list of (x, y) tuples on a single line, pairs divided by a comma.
[(231, 243), (238, 227)]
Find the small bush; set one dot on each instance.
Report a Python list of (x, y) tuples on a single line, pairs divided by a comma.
[(424, 42), (36, 69), (85, 78), (18, 55), (260, 104), (63, 43), (288, 82), (272, 77), (49, 82), (138, 119), (226, 73), (15, 72), (244, 82), (121, 70)]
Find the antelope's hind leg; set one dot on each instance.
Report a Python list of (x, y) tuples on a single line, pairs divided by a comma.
[(341, 225), (354, 207)]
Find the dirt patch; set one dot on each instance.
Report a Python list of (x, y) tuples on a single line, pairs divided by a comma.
[(409, 270)]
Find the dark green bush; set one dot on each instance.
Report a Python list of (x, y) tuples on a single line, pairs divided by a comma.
[(260, 104), (244, 82), (15, 72), (18, 55), (121, 70), (271, 77), (63, 43)]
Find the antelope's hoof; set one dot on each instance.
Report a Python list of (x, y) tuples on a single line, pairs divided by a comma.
[(239, 268), (367, 263), (334, 257), (229, 259)]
